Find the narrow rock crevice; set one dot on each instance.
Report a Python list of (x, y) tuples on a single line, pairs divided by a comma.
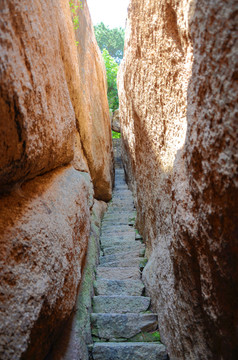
[(123, 327)]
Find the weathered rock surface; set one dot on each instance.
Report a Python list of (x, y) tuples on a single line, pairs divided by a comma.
[(91, 108), (120, 304), (121, 326), (116, 121), (44, 233), (119, 287), (118, 273), (129, 351), (76, 333), (37, 120), (179, 73), (40, 98), (53, 111)]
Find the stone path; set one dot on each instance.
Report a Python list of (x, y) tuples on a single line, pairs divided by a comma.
[(123, 327)]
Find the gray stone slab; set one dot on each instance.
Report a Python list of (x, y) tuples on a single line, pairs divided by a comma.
[(133, 261), (122, 326), (129, 351), (120, 255), (137, 248), (117, 273), (120, 304), (119, 287)]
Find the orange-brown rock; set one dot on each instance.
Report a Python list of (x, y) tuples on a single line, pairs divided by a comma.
[(91, 108), (44, 228), (179, 73), (45, 84), (37, 120)]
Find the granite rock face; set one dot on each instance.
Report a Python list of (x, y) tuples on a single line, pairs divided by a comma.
[(37, 120), (47, 176), (177, 88), (116, 121), (44, 233), (40, 97), (91, 108)]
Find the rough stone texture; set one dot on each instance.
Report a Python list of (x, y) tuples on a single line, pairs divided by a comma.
[(119, 326), (120, 304), (117, 153), (37, 120), (185, 182), (44, 233), (137, 248), (116, 121), (45, 84), (129, 351), (117, 273), (119, 287), (76, 334), (91, 108)]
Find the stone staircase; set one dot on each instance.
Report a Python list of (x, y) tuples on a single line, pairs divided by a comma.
[(123, 327)]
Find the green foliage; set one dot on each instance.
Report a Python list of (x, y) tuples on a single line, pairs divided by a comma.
[(74, 6), (116, 135), (110, 39), (111, 70)]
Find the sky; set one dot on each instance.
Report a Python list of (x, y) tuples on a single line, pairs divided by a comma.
[(111, 12)]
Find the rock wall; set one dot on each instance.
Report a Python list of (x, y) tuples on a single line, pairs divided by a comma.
[(91, 108), (47, 179), (177, 89)]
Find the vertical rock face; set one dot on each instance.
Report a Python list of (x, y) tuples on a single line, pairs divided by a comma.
[(91, 108), (44, 232), (177, 89), (44, 87), (45, 202), (37, 120)]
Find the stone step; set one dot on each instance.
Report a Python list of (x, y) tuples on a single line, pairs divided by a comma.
[(119, 287), (117, 242), (128, 351), (118, 273), (120, 228), (128, 256), (122, 326), (137, 248), (134, 261), (120, 304), (115, 237)]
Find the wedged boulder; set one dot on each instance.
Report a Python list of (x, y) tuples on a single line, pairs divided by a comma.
[(37, 120), (91, 108), (44, 226), (116, 121)]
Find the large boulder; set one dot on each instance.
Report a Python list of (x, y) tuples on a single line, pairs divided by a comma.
[(44, 226), (115, 122), (47, 81), (91, 107), (37, 120), (177, 90)]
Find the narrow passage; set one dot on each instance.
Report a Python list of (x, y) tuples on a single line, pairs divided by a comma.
[(123, 327)]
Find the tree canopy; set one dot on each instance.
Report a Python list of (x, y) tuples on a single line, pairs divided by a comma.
[(110, 39), (111, 69)]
